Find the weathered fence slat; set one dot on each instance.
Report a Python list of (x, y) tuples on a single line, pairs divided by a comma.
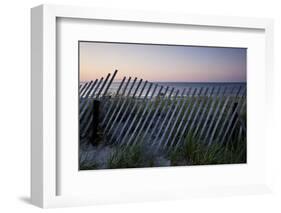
[(220, 103), (154, 114), (229, 112), (119, 122), (147, 116), (161, 116), (105, 101), (84, 88), (165, 117), (85, 100), (124, 104), (183, 102), (202, 115), (119, 101), (163, 109), (188, 118), (233, 114), (142, 116), (181, 122), (85, 107), (122, 140), (235, 122), (214, 100), (130, 114), (81, 89), (217, 122), (173, 113), (102, 86), (87, 93), (193, 114), (113, 102), (110, 82), (198, 110), (88, 113)]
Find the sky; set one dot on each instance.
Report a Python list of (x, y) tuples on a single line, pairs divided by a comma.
[(162, 63)]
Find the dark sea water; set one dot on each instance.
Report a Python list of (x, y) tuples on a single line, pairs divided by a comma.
[(190, 88)]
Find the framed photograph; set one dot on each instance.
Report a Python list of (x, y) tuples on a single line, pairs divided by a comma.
[(130, 106), (190, 111)]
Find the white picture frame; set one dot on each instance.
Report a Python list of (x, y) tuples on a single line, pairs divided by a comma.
[(44, 154)]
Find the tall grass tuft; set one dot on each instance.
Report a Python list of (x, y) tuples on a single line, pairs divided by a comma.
[(194, 152), (130, 157), (86, 165)]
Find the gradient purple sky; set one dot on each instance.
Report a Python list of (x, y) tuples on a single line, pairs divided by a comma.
[(162, 62)]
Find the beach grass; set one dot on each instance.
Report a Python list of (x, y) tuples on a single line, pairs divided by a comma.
[(192, 149), (130, 157), (194, 152)]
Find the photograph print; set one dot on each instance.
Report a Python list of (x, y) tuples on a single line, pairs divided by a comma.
[(161, 105)]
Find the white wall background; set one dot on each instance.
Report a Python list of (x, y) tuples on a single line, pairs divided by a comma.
[(15, 104)]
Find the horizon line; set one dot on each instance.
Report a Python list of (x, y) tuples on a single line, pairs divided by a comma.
[(178, 81)]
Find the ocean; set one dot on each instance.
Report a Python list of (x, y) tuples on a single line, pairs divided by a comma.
[(190, 87)]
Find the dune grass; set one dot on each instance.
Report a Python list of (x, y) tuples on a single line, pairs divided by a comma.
[(194, 152), (88, 166), (130, 157)]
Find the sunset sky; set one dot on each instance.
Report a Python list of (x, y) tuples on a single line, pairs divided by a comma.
[(162, 63)]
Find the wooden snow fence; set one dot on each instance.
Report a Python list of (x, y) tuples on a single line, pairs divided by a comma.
[(161, 116)]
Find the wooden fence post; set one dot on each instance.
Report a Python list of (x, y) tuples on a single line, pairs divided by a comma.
[(95, 120)]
